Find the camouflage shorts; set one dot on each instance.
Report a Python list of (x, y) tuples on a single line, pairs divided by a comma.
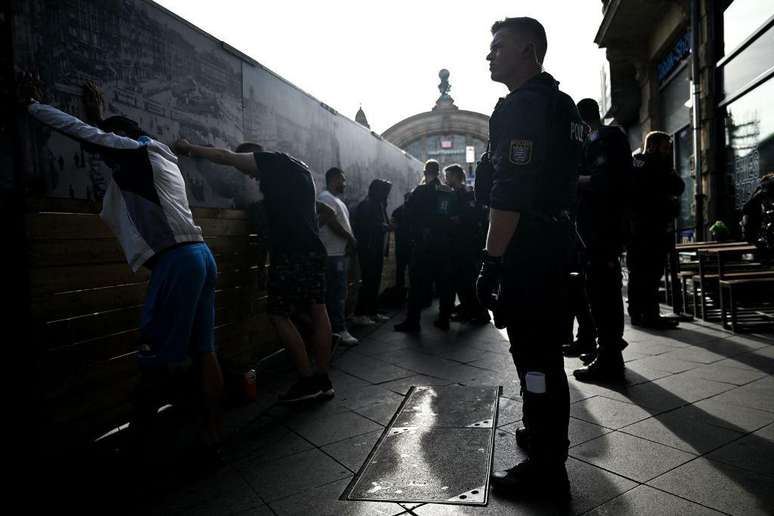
[(296, 280)]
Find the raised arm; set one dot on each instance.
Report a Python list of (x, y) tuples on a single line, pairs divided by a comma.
[(77, 129), (242, 161)]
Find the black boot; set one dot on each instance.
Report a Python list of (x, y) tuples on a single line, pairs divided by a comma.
[(407, 327), (588, 358), (578, 348), (606, 368), (534, 480), (522, 438), (442, 323)]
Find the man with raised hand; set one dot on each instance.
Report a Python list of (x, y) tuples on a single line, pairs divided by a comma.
[(297, 257)]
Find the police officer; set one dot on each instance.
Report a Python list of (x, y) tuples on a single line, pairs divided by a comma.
[(654, 209), (535, 141), (605, 176), (429, 211)]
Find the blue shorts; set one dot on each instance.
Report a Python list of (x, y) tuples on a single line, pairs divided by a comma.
[(178, 319)]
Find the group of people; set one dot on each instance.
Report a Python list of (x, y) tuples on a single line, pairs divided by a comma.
[(442, 231), (549, 163)]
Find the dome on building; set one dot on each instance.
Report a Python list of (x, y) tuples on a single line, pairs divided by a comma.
[(445, 133)]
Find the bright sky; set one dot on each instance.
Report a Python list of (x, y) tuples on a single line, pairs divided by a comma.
[(386, 55)]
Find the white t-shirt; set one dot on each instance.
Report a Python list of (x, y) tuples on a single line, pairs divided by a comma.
[(335, 245)]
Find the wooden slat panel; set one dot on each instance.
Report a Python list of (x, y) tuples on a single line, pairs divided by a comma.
[(89, 251), (80, 369), (38, 204), (230, 304), (63, 279), (71, 304), (49, 204), (218, 213), (88, 301), (68, 226)]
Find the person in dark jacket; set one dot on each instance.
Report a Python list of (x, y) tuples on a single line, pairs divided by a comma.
[(403, 243), (654, 207), (371, 225), (430, 209), (468, 236), (758, 217), (605, 175)]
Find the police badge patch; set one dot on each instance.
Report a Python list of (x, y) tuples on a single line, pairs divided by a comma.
[(521, 152)]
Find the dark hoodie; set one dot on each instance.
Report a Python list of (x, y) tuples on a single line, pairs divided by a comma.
[(370, 222)]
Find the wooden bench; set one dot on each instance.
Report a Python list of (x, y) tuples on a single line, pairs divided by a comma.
[(716, 260), (763, 283), (86, 305)]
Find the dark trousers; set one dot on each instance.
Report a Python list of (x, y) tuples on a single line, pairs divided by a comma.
[(464, 271), (645, 263), (426, 270), (402, 260), (371, 265), (336, 292), (603, 271), (580, 310), (536, 297)]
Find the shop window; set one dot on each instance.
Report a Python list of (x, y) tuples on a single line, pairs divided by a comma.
[(683, 148), (753, 62), (749, 131), (673, 107), (741, 19)]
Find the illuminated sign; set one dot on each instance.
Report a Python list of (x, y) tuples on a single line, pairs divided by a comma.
[(673, 57), (446, 144)]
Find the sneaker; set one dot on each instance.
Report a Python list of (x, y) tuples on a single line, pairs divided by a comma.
[(362, 320), (347, 338), (531, 479), (407, 327), (306, 388), (380, 317), (325, 385)]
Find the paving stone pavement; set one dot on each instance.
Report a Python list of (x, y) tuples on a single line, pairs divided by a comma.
[(691, 431)]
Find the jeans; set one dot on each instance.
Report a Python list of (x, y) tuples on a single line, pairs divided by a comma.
[(336, 293)]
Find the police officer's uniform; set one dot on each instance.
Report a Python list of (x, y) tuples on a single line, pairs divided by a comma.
[(654, 208), (535, 142), (430, 208), (468, 238), (602, 225)]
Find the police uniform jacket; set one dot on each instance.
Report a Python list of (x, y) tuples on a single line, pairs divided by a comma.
[(430, 209), (535, 143), (601, 212)]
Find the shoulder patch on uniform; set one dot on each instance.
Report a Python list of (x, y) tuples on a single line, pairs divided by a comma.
[(520, 152)]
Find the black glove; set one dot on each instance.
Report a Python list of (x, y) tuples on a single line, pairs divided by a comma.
[(488, 283)]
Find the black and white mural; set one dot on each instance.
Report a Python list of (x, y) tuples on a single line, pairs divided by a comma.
[(176, 80)]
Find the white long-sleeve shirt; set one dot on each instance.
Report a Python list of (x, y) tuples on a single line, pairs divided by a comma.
[(145, 204)]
